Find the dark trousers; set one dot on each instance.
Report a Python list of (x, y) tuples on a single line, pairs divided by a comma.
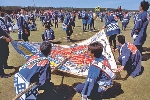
[(112, 38), (19, 36), (25, 37), (48, 93), (95, 95), (84, 27), (90, 27), (3, 61), (56, 23), (69, 31), (140, 48), (93, 24)]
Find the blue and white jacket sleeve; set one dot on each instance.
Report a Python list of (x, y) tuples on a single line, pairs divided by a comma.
[(139, 24), (91, 79), (66, 21), (125, 56), (109, 20), (45, 34)]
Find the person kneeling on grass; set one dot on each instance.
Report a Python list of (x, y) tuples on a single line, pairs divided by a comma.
[(48, 34), (36, 69), (129, 57), (99, 77)]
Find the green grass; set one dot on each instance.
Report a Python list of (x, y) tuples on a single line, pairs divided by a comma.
[(130, 89)]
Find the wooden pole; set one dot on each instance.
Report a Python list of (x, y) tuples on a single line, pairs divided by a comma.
[(33, 84)]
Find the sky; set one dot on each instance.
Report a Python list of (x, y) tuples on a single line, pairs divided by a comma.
[(125, 4)]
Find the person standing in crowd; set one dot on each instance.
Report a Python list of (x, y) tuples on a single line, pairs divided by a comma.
[(84, 19), (47, 19), (129, 57), (9, 22), (112, 28), (98, 79), (23, 29), (42, 16), (135, 17), (106, 16), (125, 20), (4, 50), (93, 19), (31, 22), (73, 20), (101, 16), (3, 22), (79, 14), (61, 16), (89, 21), (139, 31), (68, 24), (56, 19), (6, 30)]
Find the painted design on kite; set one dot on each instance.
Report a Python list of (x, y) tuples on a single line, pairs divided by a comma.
[(79, 63)]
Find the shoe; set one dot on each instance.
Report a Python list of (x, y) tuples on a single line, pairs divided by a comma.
[(8, 67), (5, 76), (68, 40)]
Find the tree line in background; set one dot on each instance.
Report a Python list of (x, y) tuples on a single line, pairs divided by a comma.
[(16, 9)]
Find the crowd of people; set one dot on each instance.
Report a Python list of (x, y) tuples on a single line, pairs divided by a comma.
[(99, 79)]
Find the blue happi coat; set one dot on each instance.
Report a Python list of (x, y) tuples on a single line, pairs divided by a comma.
[(111, 24), (96, 76), (130, 58), (49, 34), (23, 78), (22, 25), (3, 25), (84, 16), (141, 26), (125, 20), (67, 22), (135, 17), (90, 16)]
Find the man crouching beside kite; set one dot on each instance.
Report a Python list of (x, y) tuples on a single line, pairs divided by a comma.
[(35, 70), (99, 77)]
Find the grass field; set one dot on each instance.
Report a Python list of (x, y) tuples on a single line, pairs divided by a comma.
[(130, 89)]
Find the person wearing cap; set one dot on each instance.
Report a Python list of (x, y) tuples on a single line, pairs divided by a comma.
[(23, 29), (112, 28), (139, 31)]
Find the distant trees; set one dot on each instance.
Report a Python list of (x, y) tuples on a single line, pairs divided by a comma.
[(16, 9)]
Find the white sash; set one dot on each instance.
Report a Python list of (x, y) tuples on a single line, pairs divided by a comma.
[(105, 69)]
